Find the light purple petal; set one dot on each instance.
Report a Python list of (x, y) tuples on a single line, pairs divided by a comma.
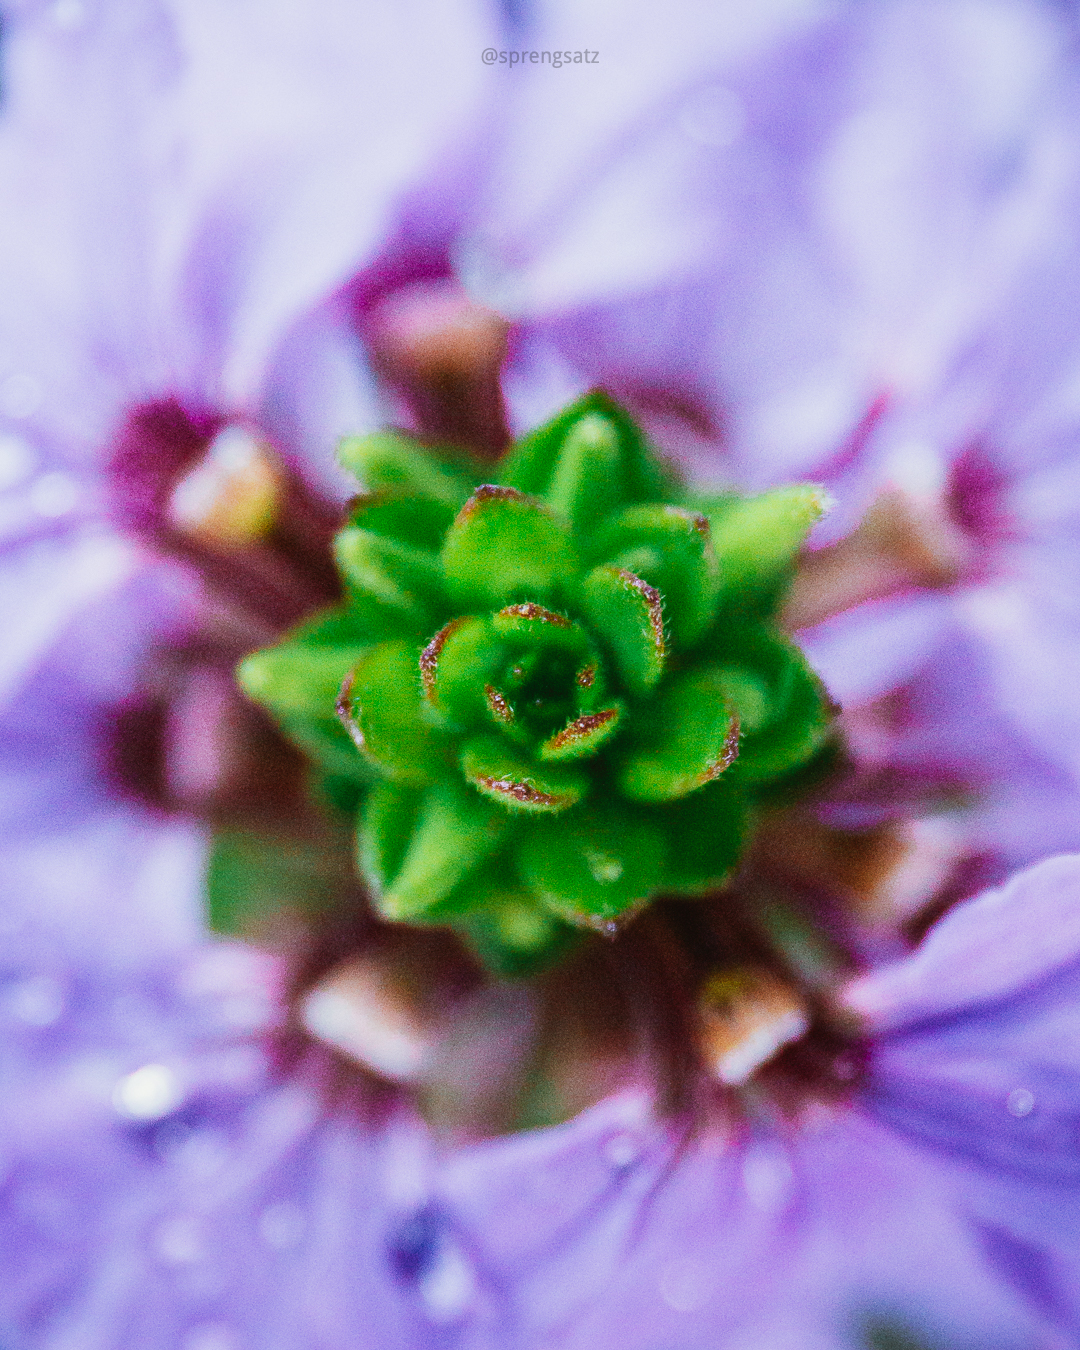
[(612, 1230), (170, 1189), (889, 180), (83, 87), (982, 1068), (871, 650), (983, 951), (300, 134), (192, 183), (84, 870)]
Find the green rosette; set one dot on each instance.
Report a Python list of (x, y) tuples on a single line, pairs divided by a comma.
[(556, 688)]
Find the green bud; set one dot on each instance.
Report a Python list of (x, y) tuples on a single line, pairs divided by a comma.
[(567, 682)]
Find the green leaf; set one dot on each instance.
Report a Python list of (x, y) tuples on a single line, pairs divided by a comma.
[(386, 826), (507, 776), (594, 864), (295, 680), (453, 832), (506, 547), (389, 459), (335, 626), (531, 625), (583, 736), (628, 614), (511, 932), (633, 474), (393, 586), (811, 775), (325, 741), (380, 706), (799, 728), (706, 833), (748, 694), (456, 666), (587, 480), (759, 664), (757, 538), (688, 738), (669, 547), (407, 517)]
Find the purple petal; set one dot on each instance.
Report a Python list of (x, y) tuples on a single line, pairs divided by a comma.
[(982, 1068), (170, 1189), (984, 950), (301, 136), (849, 239)]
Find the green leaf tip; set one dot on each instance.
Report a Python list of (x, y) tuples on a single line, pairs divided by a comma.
[(557, 693)]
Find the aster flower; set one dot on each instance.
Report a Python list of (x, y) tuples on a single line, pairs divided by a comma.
[(279, 1218)]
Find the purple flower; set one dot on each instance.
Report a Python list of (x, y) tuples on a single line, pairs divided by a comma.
[(166, 1179), (168, 1188)]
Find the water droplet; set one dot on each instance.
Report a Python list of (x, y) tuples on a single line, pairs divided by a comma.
[(210, 1336), (38, 1000), (69, 14), (766, 1175), (622, 1149), (54, 494), (20, 395), (17, 460), (1020, 1102), (685, 1284), (714, 116), (282, 1225), (150, 1093), (200, 1152), (606, 869), (447, 1286), (177, 1241)]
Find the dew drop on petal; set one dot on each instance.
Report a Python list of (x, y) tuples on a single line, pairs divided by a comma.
[(68, 14), (17, 460), (149, 1093), (20, 395), (54, 494), (605, 868), (38, 1000), (177, 1241), (210, 1336), (446, 1287), (1020, 1102), (622, 1149), (200, 1152), (282, 1225)]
